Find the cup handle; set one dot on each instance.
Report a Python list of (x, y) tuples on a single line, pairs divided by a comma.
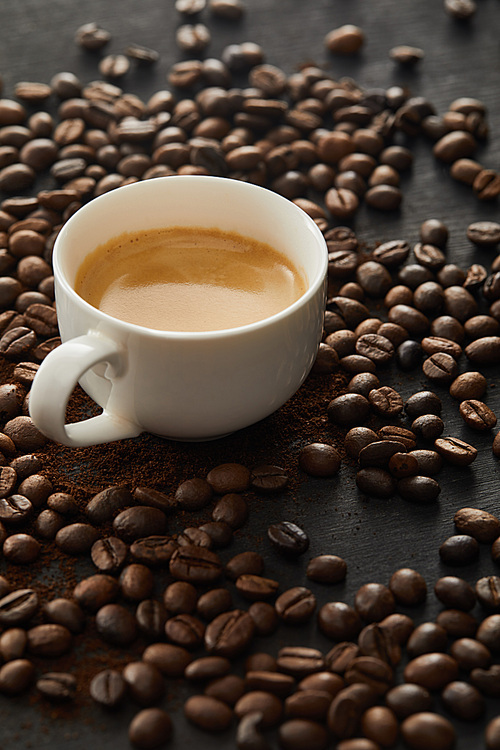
[(56, 379)]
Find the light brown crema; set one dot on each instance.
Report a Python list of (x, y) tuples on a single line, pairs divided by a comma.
[(188, 279)]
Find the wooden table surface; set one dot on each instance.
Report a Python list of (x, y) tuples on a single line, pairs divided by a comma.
[(375, 537)]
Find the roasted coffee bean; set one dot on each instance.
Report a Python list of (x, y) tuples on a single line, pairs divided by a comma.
[(379, 724), (13, 644), (170, 659), (374, 601), (398, 626), (104, 506), (248, 562), (423, 728), (208, 713), (457, 623), (153, 551), (153, 499), (347, 708), (375, 482), (341, 655), (460, 549), (228, 478), (298, 734), (408, 587), (407, 699), (180, 597), (484, 233), (228, 689), (49, 640), (15, 509), (431, 670), (109, 554), (150, 728), (145, 683), (151, 617), (326, 569), (296, 605), (21, 549), (418, 489), (193, 494), (207, 668), (232, 508), (319, 460), (94, 592), (264, 617), (483, 526), (468, 385), (273, 682), (288, 538), (220, 533), (440, 368), (136, 582), (455, 451), (267, 703), (348, 410), (267, 478), (488, 592), (379, 642), (370, 671), (65, 612), (358, 438), (193, 536), (470, 654), (477, 415), (195, 564), (16, 676), (379, 453), (138, 522), (57, 686), (213, 603), (339, 621), (463, 700), (76, 538), (248, 735), (427, 637), (484, 351), (255, 588), (108, 688), (229, 633), (487, 680)]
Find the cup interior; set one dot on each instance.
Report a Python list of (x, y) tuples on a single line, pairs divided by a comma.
[(186, 200)]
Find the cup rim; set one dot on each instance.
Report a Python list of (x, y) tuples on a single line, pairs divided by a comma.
[(317, 281)]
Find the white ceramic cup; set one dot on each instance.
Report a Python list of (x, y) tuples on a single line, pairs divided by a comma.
[(179, 385)]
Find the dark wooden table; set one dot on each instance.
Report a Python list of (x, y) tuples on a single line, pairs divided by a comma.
[(375, 537)]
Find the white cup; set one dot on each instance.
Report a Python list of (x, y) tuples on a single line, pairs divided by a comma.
[(179, 385)]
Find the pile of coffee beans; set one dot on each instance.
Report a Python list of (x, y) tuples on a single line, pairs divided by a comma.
[(328, 145)]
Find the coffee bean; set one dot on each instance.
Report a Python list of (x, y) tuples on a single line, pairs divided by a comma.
[(228, 478), (144, 682), (339, 621), (193, 494), (16, 676), (375, 482), (65, 612), (255, 588), (195, 564), (407, 699), (138, 522), (153, 551), (426, 638), (419, 489), (455, 451), (431, 670), (153, 499), (248, 735), (76, 538), (103, 506), (207, 668), (296, 605), (483, 526), (213, 603), (49, 640), (408, 587), (57, 686), (470, 654), (460, 549), (232, 509), (150, 728), (487, 680), (249, 562), (380, 643), (229, 633), (208, 713), (268, 704), (423, 728), (457, 624), (326, 569), (109, 554), (267, 478), (94, 592), (288, 538), (319, 460), (348, 410), (488, 592)]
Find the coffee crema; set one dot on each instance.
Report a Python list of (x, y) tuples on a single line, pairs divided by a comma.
[(188, 279)]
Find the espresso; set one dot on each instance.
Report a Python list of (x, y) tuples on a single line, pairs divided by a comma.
[(188, 279)]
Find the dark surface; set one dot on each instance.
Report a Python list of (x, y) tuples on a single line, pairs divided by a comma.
[(375, 537)]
